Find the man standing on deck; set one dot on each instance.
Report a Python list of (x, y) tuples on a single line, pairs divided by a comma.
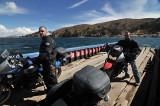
[(47, 57), (130, 49)]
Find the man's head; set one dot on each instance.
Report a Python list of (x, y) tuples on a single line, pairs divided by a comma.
[(42, 31), (127, 35)]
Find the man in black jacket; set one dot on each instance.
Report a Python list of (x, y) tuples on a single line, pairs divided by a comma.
[(130, 49), (47, 57)]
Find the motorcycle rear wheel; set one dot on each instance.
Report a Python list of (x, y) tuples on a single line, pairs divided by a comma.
[(58, 72), (5, 93)]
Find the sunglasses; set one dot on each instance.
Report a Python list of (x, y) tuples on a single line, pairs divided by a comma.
[(41, 31)]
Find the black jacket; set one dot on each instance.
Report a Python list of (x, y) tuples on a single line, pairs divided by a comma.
[(130, 48), (47, 51)]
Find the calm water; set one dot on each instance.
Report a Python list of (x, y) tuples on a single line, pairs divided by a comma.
[(30, 45)]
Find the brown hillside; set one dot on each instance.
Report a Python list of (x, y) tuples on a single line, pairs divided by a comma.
[(111, 28)]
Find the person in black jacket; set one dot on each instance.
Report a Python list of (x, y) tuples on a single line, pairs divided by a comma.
[(131, 50), (47, 57)]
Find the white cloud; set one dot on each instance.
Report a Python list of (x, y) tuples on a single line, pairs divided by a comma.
[(4, 32), (89, 14), (10, 8), (100, 20), (66, 25), (107, 8), (2, 28), (135, 9), (77, 4)]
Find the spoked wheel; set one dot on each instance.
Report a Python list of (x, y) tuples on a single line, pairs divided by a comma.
[(58, 72), (5, 93)]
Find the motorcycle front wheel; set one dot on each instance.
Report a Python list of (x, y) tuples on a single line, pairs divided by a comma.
[(109, 72), (5, 93), (58, 72)]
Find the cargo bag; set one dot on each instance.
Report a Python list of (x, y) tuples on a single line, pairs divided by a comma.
[(91, 83)]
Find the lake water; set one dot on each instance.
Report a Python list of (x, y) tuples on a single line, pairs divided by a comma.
[(30, 45)]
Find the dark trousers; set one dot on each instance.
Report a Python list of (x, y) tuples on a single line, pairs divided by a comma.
[(48, 77)]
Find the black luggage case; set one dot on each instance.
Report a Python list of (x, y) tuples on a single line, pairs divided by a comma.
[(91, 82)]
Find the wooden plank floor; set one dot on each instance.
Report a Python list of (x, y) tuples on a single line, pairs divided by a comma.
[(122, 90)]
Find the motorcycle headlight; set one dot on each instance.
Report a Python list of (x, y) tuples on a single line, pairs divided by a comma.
[(9, 76)]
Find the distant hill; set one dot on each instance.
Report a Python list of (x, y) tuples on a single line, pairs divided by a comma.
[(108, 29), (14, 36)]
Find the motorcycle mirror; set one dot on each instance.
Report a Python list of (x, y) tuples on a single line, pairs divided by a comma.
[(20, 54)]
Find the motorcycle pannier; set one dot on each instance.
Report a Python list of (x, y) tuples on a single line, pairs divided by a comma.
[(61, 52), (91, 81)]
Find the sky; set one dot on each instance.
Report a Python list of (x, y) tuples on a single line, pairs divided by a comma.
[(21, 17)]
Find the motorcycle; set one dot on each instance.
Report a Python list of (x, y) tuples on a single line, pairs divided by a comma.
[(18, 72), (114, 62), (88, 86)]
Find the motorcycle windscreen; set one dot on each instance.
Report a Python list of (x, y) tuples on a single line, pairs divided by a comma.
[(107, 65), (4, 56), (118, 48), (4, 65), (121, 58)]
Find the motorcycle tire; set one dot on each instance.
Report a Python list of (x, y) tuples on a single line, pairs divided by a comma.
[(5, 93), (58, 72), (110, 73)]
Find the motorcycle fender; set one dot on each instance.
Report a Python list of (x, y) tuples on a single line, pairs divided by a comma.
[(107, 65)]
